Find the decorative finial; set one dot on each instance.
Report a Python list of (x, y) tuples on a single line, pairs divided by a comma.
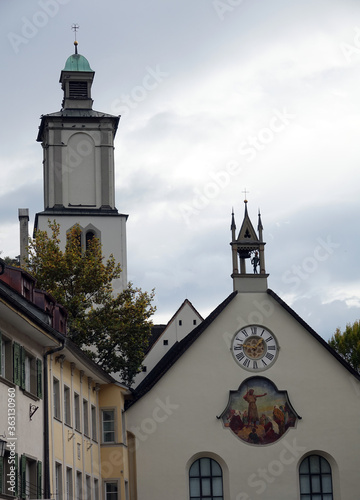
[(75, 27), (245, 192)]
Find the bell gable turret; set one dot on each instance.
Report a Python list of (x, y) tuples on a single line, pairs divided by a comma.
[(248, 257)]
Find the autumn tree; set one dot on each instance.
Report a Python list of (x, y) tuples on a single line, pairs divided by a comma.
[(347, 344), (112, 330)]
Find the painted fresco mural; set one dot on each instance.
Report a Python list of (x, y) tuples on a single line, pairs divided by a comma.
[(258, 413)]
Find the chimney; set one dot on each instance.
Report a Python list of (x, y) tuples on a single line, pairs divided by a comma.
[(24, 234)]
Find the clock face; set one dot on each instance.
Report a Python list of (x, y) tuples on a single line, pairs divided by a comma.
[(254, 348)]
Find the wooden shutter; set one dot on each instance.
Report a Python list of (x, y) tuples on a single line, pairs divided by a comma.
[(16, 359), (16, 474), (23, 476), (22, 368), (39, 479), (1, 475), (39, 378)]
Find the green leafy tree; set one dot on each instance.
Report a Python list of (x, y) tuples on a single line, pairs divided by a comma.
[(112, 330), (347, 344)]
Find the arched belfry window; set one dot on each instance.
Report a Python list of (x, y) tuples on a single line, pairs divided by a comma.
[(89, 236), (315, 479), (205, 480)]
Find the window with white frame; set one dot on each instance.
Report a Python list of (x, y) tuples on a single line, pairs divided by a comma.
[(67, 405), (56, 396), (205, 480), (108, 426), (30, 373), (315, 479), (111, 490), (6, 358)]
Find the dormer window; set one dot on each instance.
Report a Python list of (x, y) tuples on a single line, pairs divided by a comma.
[(78, 90)]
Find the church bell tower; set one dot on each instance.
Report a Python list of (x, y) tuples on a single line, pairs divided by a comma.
[(248, 257), (78, 166)]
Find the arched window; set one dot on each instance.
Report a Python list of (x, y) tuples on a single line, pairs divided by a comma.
[(205, 480), (89, 236), (315, 479)]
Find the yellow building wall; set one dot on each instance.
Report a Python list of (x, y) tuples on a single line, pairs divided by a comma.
[(114, 456)]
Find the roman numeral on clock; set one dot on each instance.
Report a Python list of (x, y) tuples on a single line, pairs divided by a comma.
[(246, 363), (240, 356), (269, 356)]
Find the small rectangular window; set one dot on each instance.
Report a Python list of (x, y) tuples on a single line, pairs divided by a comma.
[(180, 322), (56, 396), (111, 490), (108, 426), (194, 321), (166, 342)]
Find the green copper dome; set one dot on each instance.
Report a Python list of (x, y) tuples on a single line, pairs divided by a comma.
[(77, 62)]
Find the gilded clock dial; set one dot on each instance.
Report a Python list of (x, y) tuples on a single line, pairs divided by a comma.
[(254, 348)]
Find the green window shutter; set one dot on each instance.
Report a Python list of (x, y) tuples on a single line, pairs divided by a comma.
[(1, 353), (23, 476), (1, 475), (39, 378), (16, 366), (16, 474), (39, 479), (22, 368)]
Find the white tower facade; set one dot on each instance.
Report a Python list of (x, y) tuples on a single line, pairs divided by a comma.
[(78, 161)]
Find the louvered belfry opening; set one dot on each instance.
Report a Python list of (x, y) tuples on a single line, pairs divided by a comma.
[(78, 90)]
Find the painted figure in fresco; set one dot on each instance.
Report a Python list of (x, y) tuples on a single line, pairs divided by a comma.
[(279, 418), (253, 437), (236, 424), (251, 398)]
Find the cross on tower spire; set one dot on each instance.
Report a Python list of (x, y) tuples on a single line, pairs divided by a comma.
[(75, 27)]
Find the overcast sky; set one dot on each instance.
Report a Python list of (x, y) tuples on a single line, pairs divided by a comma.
[(216, 96)]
